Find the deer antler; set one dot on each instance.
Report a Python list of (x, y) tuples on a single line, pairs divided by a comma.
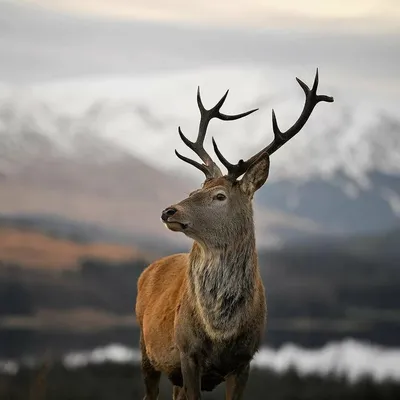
[(209, 168), (280, 138)]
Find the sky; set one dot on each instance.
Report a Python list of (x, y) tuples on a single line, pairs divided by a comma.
[(353, 42), (359, 15)]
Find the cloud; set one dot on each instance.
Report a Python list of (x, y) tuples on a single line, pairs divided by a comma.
[(39, 45), (361, 15)]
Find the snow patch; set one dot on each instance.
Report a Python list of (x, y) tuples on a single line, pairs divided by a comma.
[(349, 358), (112, 353), (393, 199)]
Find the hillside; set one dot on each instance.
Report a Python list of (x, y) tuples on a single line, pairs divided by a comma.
[(316, 293), (120, 194), (30, 249), (126, 195)]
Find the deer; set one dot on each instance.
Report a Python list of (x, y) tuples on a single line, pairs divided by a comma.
[(202, 315)]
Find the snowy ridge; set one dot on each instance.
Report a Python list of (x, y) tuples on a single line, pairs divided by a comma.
[(140, 116), (349, 358)]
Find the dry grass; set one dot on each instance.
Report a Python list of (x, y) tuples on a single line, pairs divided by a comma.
[(35, 250), (80, 320), (124, 195)]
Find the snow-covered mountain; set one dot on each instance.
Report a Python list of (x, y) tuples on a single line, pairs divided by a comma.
[(141, 116), (87, 105), (342, 171)]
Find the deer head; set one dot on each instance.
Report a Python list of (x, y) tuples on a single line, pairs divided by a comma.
[(222, 208)]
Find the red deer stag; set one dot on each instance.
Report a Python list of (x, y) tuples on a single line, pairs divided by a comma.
[(202, 315)]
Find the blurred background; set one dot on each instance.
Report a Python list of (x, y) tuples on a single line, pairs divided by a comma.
[(91, 95)]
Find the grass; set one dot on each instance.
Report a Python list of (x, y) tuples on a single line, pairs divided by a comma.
[(123, 381)]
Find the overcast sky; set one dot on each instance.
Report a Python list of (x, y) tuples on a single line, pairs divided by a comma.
[(355, 43), (360, 15)]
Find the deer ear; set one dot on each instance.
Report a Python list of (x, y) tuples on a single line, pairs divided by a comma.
[(255, 176)]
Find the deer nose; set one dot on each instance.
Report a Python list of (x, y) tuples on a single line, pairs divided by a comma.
[(168, 212)]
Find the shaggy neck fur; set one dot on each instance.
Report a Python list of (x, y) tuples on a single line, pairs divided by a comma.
[(222, 282)]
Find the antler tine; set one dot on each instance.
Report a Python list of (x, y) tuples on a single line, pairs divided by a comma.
[(209, 168), (280, 138), (201, 167)]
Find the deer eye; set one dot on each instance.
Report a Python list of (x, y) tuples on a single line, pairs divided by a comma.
[(220, 197)]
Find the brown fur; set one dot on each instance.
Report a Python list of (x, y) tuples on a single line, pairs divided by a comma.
[(202, 315)]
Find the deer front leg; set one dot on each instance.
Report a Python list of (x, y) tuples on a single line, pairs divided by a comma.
[(176, 390), (236, 383), (151, 377), (178, 393), (190, 367)]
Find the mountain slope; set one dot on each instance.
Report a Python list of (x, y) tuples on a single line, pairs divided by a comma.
[(116, 192), (125, 195), (30, 249), (341, 174)]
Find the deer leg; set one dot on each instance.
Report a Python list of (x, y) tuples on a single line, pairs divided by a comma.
[(178, 393), (175, 392), (151, 376), (191, 377), (236, 383)]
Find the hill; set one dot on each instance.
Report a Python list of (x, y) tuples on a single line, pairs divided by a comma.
[(315, 294), (30, 249), (102, 151)]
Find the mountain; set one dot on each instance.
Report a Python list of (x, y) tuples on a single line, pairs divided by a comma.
[(59, 166), (58, 294), (89, 114), (338, 204), (124, 195), (72, 148), (118, 201)]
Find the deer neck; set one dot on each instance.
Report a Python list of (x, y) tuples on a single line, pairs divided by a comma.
[(222, 284)]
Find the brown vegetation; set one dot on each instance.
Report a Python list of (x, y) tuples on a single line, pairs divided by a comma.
[(80, 320), (35, 250), (125, 194)]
